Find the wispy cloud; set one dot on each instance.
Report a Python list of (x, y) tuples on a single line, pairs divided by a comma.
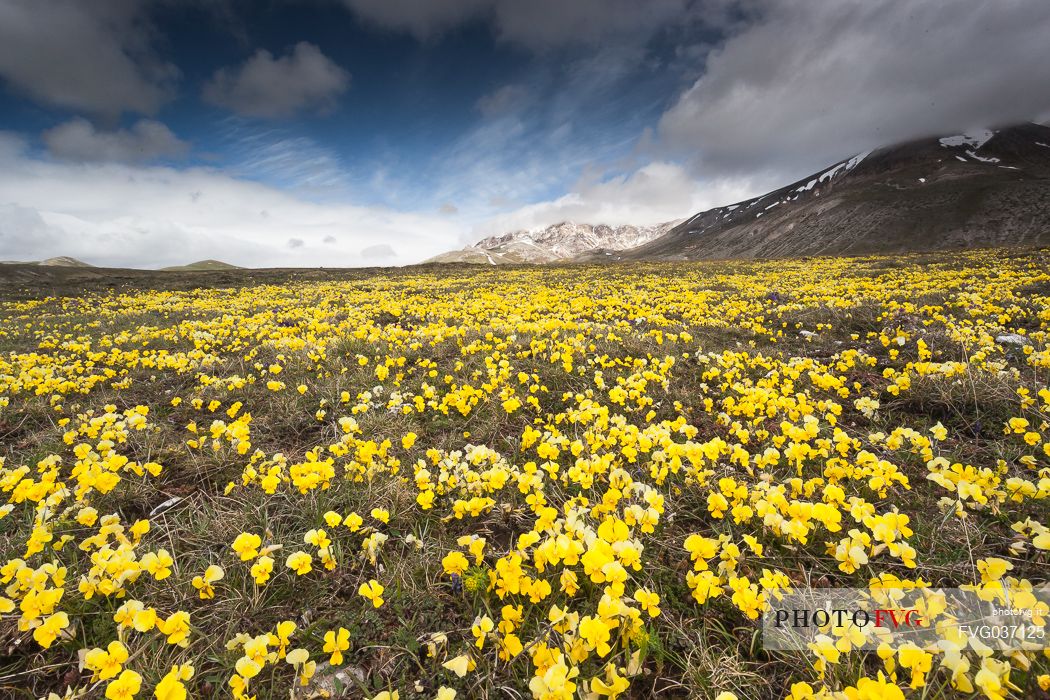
[(279, 157)]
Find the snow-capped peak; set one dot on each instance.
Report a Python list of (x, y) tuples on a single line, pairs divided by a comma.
[(568, 239)]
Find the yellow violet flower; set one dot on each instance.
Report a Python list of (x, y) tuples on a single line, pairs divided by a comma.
[(373, 591), (300, 562), (335, 643), (204, 583)]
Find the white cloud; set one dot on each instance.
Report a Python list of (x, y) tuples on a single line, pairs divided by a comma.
[(381, 251), (147, 140), (150, 216), (655, 193), (270, 87), (92, 56), (807, 83)]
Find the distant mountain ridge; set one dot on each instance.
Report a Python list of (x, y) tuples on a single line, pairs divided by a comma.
[(61, 261), (201, 265), (559, 242), (988, 187)]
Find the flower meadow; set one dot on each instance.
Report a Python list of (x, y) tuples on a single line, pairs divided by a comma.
[(549, 483)]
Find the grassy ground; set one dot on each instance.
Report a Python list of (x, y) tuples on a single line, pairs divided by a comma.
[(584, 422)]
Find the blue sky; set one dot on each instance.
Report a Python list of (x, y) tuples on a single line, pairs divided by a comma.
[(358, 132), (460, 118)]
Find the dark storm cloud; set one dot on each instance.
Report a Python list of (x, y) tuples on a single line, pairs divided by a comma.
[(807, 83), (92, 56), (265, 86), (79, 140), (537, 24)]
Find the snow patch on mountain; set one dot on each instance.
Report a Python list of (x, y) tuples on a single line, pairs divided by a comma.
[(563, 241), (568, 239), (973, 138), (973, 154)]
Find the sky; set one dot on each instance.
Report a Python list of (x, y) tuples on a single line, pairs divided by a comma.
[(147, 133)]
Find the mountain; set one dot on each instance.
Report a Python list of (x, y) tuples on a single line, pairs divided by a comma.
[(983, 188), (63, 261), (564, 241), (201, 265)]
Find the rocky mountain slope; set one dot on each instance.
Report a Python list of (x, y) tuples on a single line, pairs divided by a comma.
[(559, 242), (985, 188)]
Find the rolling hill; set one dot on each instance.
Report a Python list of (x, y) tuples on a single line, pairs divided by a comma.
[(201, 266)]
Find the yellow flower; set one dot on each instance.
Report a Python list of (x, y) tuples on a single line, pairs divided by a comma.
[(176, 627), (300, 562), (595, 633), (171, 685), (1018, 425), (480, 629), (246, 545), (262, 569), (874, 689), (335, 643), (106, 664), (554, 683), (204, 583), (318, 538), (455, 563), (460, 665), (297, 657), (373, 591), (612, 686), (648, 600), (247, 668), (993, 568), (52, 626), (282, 636), (125, 687), (158, 564)]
